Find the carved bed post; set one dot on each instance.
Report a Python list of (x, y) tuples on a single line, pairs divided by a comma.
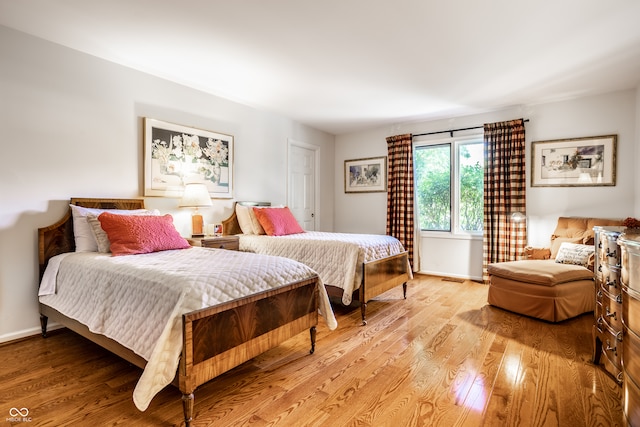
[(187, 408), (43, 325), (312, 332), (363, 312)]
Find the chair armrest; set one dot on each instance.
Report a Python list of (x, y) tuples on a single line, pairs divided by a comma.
[(537, 253)]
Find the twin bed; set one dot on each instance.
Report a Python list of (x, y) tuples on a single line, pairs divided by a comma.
[(186, 316), (352, 266)]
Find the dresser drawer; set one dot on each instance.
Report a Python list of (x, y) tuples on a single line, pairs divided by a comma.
[(610, 308), (631, 347), (614, 370), (630, 274), (631, 401), (231, 243), (609, 276), (611, 341), (631, 309), (607, 247)]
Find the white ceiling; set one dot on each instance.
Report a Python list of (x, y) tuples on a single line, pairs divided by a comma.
[(347, 65)]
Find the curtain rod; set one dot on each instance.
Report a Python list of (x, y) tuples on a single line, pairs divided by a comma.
[(453, 130)]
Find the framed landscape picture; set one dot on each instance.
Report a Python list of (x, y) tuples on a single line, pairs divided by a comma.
[(365, 175), (576, 162), (175, 155)]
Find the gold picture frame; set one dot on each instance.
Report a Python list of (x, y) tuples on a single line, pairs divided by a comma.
[(368, 175), (575, 162)]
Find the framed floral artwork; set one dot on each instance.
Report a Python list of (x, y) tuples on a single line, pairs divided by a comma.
[(576, 162), (175, 155), (365, 175)]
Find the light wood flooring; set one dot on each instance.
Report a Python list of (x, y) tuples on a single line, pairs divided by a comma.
[(443, 357)]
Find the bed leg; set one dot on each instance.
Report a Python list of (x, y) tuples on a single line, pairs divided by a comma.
[(43, 325), (187, 408), (404, 290), (312, 332), (363, 312)]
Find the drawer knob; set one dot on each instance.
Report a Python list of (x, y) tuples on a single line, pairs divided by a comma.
[(611, 349), (610, 314)]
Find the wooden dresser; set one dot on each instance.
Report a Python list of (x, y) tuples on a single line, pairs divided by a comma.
[(608, 327), (629, 244)]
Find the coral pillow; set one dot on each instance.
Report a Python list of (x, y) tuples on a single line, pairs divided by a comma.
[(82, 232), (129, 234), (277, 221)]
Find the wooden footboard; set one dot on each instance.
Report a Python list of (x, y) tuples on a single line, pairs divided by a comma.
[(381, 275), (378, 277), (219, 338)]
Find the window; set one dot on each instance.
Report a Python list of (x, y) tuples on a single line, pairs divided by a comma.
[(449, 185)]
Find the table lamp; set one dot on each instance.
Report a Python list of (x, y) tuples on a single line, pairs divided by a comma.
[(195, 196)]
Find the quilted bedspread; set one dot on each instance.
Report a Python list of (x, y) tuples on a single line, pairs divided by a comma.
[(337, 257), (138, 300)]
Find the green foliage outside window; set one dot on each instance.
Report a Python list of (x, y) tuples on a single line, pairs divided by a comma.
[(433, 172), (471, 203)]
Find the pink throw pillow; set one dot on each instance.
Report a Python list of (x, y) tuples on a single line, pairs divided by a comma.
[(129, 234), (277, 221)]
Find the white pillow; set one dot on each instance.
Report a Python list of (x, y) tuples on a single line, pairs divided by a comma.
[(255, 224), (82, 232), (243, 213), (574, 253)]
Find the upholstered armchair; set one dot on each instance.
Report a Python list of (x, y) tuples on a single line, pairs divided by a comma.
[(554, 283)]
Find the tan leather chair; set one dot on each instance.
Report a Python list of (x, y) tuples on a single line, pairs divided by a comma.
[(539, 286)]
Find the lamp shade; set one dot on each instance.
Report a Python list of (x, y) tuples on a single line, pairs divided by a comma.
[(195, 196), (518, 217)]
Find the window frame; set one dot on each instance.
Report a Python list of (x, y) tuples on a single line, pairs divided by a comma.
[(454, 143)]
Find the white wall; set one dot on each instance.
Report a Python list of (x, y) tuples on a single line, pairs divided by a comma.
[(71, 126), (613, 113)]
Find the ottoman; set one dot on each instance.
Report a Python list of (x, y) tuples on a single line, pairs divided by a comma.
[(543, 289)]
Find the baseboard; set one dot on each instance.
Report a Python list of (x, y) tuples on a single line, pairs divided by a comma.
[(454, 276), (26, 333)]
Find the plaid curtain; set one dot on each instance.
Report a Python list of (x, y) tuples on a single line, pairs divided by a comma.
[(400, 193), (504, 192)]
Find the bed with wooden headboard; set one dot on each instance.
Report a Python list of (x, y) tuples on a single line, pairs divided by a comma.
[(373, 276), (215, 339)]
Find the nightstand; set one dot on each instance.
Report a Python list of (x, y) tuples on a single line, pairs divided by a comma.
[(231, 243)]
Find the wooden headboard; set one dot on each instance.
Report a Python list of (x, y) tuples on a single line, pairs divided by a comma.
[(230, 225), (58, 238)]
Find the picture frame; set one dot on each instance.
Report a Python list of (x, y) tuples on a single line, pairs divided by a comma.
[(368, 175), (575, 162), (175, 155)]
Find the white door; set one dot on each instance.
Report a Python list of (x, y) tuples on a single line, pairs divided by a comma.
[(302, 184)]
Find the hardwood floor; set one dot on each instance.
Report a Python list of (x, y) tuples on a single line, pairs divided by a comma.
[(443, 357)]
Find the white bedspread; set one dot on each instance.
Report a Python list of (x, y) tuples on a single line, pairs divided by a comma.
[(337, 257), (138, 300)]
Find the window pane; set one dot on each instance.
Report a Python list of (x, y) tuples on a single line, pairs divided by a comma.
[(471, 184), (433, 186)]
